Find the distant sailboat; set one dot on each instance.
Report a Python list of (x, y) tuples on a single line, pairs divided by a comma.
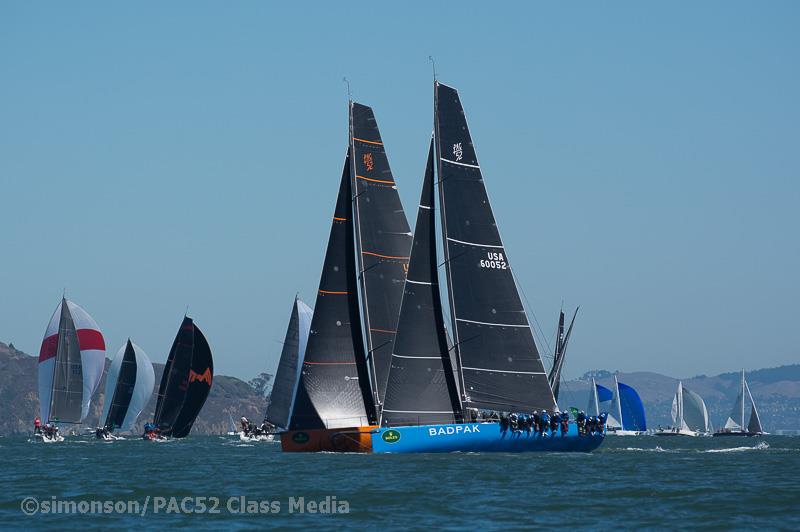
[(185, 383), (71, 363), (629, 410), (689, 415), (734, 425), (287, 377), (129, 385), (599, 394), (554, 377)]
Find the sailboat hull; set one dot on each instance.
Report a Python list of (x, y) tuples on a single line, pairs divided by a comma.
[(345, 440), (478, 437), (737, 433)]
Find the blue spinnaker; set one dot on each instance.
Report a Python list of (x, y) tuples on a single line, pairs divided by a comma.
[(603, 394), (632, 408)]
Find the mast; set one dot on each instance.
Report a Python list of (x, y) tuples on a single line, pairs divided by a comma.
[(619, 404), (382, 241), (446, 250)]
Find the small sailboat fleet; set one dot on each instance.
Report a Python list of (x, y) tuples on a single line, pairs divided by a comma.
[(734, 425), (689, 415), (71, 365)]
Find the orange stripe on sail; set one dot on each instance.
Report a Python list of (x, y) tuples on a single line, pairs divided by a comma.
[(339, 219), (383, 330), (381, 256), (368, 141), (332, 292), (375, 180)]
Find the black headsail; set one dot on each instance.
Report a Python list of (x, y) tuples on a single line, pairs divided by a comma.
[(123, 391), (67, 393), (335, 375), (554, 377), (383, 241), (500, 364), (287, 376), (421, 388), (186, 382)]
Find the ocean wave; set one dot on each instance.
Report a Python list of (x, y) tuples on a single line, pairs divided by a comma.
[(657, 449)]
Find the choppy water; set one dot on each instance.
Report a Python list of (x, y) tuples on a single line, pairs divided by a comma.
[(629, 482)]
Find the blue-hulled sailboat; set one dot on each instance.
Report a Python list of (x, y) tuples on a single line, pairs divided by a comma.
[(429, 406)]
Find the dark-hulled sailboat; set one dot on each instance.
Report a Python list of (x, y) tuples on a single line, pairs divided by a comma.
[(497, 360), (185, 384), (343, 381)]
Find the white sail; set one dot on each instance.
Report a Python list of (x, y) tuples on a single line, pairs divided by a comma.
[(695, 413), (734, 420), (142, 390), (93, 353)]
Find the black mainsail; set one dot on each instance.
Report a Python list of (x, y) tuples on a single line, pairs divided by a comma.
[(123, 391), (383, 241), (67, 394), (186, 382), (281, 399), (421, 387), (554, 377), (335, 376), (500, 365)]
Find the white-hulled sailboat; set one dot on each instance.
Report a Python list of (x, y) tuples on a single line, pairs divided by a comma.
[(689, 415), (71, 363), (734, 425)]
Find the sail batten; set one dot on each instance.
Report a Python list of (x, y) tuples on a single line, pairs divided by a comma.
[(491, 327)]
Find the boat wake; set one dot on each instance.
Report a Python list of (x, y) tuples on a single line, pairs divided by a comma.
[(657, 449), (762, 446)]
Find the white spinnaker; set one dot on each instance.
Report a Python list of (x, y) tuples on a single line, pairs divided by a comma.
[(142, 389), (93, 355), (695, 413), (304, 314)]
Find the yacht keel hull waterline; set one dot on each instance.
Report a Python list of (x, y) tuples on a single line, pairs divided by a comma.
[(478, 437)]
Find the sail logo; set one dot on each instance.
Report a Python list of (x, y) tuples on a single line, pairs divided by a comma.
[(450, 430), (391, 436), (300, 437), (368, 162), (457, 151), (494, 260), (201, 377)]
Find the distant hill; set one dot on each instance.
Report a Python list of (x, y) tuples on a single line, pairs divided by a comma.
[(19, 398), (775, 390)]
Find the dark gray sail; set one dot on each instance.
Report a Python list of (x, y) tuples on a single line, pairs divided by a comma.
[(335, 368), (123, 391), (383, 241), (421, 387), (287, 376), (500, 364), (65, 401)]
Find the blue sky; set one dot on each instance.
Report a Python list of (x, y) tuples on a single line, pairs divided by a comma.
[(643, 162)]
